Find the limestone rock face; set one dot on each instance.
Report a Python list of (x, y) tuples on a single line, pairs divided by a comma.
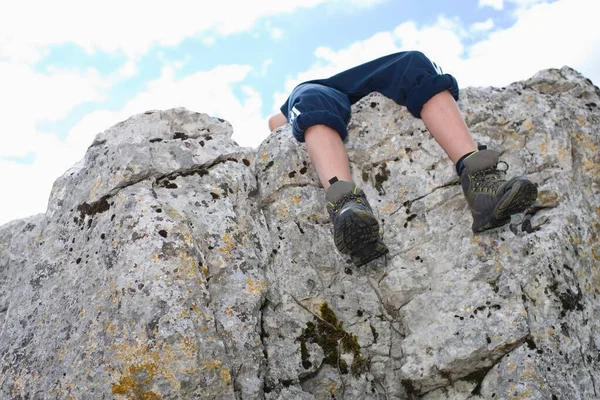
[(173, 264)]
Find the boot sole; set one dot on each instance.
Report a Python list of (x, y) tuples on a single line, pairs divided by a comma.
[(353, 229), (369, 253), (521, 196)]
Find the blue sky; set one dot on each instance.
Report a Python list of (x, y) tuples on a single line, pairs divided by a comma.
[(68, 71)]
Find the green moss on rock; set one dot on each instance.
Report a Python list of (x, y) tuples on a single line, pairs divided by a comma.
[(330, 335)]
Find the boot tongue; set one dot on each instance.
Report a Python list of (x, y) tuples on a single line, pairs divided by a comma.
[(481, 160), (338, 190)]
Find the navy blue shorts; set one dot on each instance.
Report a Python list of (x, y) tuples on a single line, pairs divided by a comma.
[(321, 105), (409, 78)]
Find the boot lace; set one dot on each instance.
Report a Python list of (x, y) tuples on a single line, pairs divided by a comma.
[(343, 200), (490, 179)]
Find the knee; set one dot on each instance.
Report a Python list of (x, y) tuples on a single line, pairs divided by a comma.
[(314, 104), (326, 117), (427, 88), (428, 80)]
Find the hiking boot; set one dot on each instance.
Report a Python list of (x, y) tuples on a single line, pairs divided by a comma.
[(369, 252), (355, 228), (492, 199)]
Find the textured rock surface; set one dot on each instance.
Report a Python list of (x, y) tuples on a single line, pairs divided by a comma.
[(172, 263)]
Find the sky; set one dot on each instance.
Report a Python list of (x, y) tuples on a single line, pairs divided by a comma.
[(70, 69)]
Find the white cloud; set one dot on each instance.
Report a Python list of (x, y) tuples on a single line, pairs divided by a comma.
[(520, 5), (208, 91), (265, 66), (360, 3), (441, 42), (55, 94), (276, 33), (26, 189), (179, 64), (128, 70), (482, 26), (526, 3), (496, 4), (209, 40), (134, 27), (546, 35)]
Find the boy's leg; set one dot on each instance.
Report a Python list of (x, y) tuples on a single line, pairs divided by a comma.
[(354, 224), (319, 116), (411, 79), (491, 198), (327, 153), (442, 118)]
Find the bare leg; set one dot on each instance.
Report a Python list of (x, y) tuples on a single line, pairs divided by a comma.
[(445, 123), (327, 153)]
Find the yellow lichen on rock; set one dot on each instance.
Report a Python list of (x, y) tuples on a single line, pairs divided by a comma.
[(527, 124), (145, 365), (333, 389), (95, 188), (388, 208), (528, 394), (229, 245), (187, 237), (255, 287), (190, 347), (217, 366), (134, 386), (225, 376), (188, 267)]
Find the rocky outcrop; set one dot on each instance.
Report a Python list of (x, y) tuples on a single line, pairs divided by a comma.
[(172, 263)]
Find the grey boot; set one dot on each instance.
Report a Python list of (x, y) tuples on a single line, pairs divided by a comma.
[(492, 199), (355, 228)]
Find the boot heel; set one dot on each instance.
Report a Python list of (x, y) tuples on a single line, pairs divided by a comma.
[(369, 253), (354, 229)]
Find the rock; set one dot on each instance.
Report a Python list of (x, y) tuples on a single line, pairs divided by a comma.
[(172, 263)]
